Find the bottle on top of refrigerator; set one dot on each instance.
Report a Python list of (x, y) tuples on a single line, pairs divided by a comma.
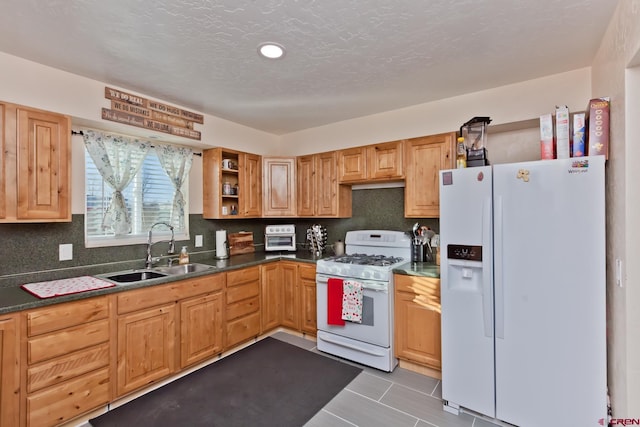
[(461, 156)]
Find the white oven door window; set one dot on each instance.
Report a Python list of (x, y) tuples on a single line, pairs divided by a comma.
[(376, 312)]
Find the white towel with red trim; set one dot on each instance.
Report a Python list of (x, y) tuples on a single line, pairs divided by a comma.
[(352, 301)]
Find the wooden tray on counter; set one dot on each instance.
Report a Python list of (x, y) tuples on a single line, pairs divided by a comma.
[(241, 243)]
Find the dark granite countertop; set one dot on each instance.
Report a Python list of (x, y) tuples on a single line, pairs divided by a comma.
[(14, 298), (422, 269)]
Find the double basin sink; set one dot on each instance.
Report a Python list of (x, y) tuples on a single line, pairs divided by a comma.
[(136, 276)]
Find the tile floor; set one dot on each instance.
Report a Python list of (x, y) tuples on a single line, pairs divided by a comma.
[(376, 398)]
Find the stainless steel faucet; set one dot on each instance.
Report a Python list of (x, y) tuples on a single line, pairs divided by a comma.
[(172, 244)]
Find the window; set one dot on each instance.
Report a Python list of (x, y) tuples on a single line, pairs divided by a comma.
[(148, 197)]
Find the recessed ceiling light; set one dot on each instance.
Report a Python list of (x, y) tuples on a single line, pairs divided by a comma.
[(271, 50)]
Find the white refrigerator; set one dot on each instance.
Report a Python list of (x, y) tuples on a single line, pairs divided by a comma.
[(523, 291)]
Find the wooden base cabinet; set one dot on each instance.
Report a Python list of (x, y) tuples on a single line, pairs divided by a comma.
[(9, 371), (146, 347), (151, 321), (271, 293), (201, 331), (417, 320), (307, 281), (67, 358), (242, 308)]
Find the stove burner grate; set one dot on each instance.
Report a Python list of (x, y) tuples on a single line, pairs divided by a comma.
[(363, 259)]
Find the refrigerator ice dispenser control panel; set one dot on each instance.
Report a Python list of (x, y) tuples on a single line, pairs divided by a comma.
[(464, 252)]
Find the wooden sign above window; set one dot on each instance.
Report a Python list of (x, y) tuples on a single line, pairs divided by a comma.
[(144, 113)]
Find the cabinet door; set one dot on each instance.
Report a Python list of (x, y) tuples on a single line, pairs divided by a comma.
[(271, 283), (201, 328), (290, 296), (251, 187), (352, 164), (385, 161), (426, 156), (146, 347), (307, 280), (3, 160), (43, 174), (306, 185), (279, 186), (326, 184), (417, 320), (9, 372)]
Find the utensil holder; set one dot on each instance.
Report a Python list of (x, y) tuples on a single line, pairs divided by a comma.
[(417, 253)]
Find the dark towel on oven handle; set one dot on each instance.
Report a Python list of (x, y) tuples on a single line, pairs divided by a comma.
[(334, 302)]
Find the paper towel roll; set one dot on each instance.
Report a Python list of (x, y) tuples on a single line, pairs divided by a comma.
[(221, 244)]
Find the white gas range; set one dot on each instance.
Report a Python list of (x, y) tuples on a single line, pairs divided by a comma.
[(369, 260)]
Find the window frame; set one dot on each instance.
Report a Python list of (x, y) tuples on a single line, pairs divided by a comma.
[(159, 233)]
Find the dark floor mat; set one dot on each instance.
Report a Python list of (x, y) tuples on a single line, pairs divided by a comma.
[(270, 383)]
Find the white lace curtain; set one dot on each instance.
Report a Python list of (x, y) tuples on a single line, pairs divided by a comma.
[(118, 159), (176, 162)]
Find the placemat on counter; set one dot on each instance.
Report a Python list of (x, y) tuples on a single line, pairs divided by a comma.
[(74, 285)]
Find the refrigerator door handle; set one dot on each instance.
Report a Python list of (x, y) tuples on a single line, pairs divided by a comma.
[(487, 297), (498, 267)]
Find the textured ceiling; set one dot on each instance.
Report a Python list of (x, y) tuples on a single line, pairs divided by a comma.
[(345, 58)]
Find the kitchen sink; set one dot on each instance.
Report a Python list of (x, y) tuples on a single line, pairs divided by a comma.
[(134, 276), (184, 268)]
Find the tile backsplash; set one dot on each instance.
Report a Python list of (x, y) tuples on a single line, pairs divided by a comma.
[(31, 249)]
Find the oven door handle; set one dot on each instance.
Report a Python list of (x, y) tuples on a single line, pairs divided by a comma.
[(374, 286)]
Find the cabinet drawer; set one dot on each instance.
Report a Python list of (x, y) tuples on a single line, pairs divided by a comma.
[(64, 368), (242, 308), (238, 293), (64, 315), (59, 404), (67, 341), (307, 272), (243, 329), (164, 294), (239, 277), (425, 286)]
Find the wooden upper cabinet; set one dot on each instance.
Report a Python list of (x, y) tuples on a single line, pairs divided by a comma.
[(279, 186), (378, 162), (385, 161), (352, 164), (35, 174), (305, 185), (231, 192), (251, 189), (318, 190), (426, 157)]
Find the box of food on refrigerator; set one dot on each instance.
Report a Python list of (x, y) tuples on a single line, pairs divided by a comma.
[(562, 132), (579, 137), (598, 124), (546, 137)]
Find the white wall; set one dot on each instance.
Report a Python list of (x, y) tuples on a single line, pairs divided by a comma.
[(610, 77), (512, 103), (35, 85)]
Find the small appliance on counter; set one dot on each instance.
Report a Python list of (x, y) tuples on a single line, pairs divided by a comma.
[(280, 238)]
